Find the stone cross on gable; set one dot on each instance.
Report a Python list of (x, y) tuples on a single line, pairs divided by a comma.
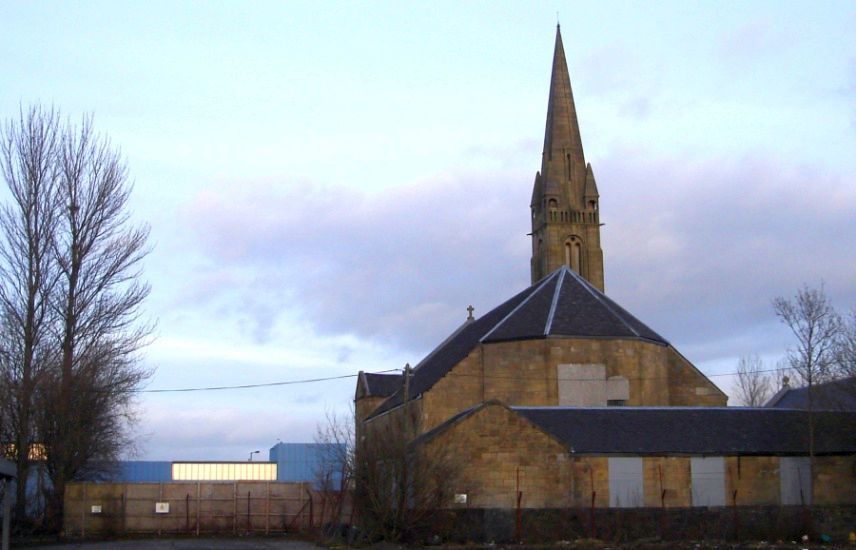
[(470, 310)]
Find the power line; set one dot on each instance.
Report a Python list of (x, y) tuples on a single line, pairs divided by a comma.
[(260, 385), (344, 376)]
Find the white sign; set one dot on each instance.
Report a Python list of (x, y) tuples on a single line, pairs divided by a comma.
[(96, 508), (161, 507), (460, 498)]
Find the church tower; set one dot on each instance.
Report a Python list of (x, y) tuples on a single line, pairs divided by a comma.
[(565, 218)]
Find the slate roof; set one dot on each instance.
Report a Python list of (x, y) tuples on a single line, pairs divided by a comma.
[(562, 304), (381, 385), (694, 430), (835, 395)]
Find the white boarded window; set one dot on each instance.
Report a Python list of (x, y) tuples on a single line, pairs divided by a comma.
[(582, 385), (708, 480), (795, 480), (617, 390), (625, 482)]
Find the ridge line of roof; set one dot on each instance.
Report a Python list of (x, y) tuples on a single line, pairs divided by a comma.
[(549, 324), (439, 346), (599, 297), (544, 281)]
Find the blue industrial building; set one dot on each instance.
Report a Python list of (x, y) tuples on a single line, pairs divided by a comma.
[(307, 461), (139, 471), (296, 462)]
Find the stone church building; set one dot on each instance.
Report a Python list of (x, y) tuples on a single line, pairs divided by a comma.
[(561, 397)]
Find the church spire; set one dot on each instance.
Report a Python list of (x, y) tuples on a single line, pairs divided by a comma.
[(562, 159), (565, 216)]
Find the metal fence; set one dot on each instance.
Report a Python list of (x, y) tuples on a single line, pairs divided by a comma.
[(198, 508)]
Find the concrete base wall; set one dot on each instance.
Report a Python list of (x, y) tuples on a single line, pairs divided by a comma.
[(105, 509), (745, 523)]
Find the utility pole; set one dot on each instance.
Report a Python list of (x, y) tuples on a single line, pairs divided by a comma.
[(405, 439)]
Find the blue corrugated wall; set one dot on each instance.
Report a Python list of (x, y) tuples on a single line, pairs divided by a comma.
[(304, 461), (137, 471)]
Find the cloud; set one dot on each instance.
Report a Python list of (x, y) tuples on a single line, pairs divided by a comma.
[(701, 246), (398, 266), (696, 247), (849, 90), (220, 432), (753, 40), (616, 74), (610, 69)]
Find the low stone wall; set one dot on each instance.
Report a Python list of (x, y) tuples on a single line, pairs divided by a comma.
[(194, 508), (747, 523)]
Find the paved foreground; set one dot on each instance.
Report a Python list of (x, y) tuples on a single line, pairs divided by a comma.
[(253, 543)]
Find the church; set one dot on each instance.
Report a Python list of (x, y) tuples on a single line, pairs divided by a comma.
[(559, 397)]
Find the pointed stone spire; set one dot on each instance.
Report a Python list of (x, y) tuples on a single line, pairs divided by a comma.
[(590, 192), (563, 159), (564, 205)]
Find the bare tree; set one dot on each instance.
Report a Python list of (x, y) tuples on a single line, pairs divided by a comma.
[(845, 355), (817, 328), (401, 487), (86, 402), (846, 349), (754, 385), (27, 276), (335, 469)]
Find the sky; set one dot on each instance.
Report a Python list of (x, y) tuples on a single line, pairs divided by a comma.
[(330, 184)]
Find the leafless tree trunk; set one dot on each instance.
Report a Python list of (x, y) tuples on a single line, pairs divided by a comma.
[(845, 355), (86, 403), (70, 297), (401, 487), (817, 328), (27, 276), (754, 386), (335, 470)]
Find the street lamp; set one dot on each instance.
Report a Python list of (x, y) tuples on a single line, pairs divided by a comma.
[(251, 455)]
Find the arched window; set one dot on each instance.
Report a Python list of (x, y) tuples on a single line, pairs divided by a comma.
[(574, 254)]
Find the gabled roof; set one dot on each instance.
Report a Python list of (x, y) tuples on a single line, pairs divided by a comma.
[(693, 430), (379, 385), (563, 304), (451, 421), (834, 395)]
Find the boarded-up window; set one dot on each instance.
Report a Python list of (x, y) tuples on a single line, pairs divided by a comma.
[(582, 385), (795, 480), (625, 482), (617, 390), (708, 480)]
